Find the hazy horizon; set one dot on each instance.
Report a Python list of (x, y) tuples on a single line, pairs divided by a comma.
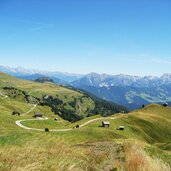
[(81, 74), (111, 37)]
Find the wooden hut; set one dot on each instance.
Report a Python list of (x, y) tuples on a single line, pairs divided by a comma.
[(105, 124), (38, 115), (16, 113)]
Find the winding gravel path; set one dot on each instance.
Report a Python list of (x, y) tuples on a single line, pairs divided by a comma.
[(18, 123), (29, 110), (4, 96)]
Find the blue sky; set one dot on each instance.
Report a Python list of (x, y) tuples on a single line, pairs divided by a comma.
[(82, 36)]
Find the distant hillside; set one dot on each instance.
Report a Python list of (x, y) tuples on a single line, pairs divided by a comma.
[(102, 107), (39, 78), (29, 74), (131, 97), (128, 91), (70, 104), (44, 80)]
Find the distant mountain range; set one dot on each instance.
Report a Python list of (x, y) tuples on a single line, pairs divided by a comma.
[(104, 80), (35, 74), (127, 90), (130, 91)]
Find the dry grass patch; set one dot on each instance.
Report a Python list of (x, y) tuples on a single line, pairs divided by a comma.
[(104, 156), (59, 157), (138, 160)]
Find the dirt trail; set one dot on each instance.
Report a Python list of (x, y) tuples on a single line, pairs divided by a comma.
[(29, 110), (18, 123), (4, 96)]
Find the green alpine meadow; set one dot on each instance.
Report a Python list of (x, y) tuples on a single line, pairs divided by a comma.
[(52, 142)]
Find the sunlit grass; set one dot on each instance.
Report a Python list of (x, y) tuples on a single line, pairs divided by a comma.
[(91, 147)]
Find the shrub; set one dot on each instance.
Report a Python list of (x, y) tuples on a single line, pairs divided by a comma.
[(46, 129)]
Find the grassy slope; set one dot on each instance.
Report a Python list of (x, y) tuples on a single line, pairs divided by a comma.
[(151, 124), (88, 148), (39, 90), (81, 145)]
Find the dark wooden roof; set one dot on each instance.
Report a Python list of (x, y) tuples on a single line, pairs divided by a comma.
[(38, 114)]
